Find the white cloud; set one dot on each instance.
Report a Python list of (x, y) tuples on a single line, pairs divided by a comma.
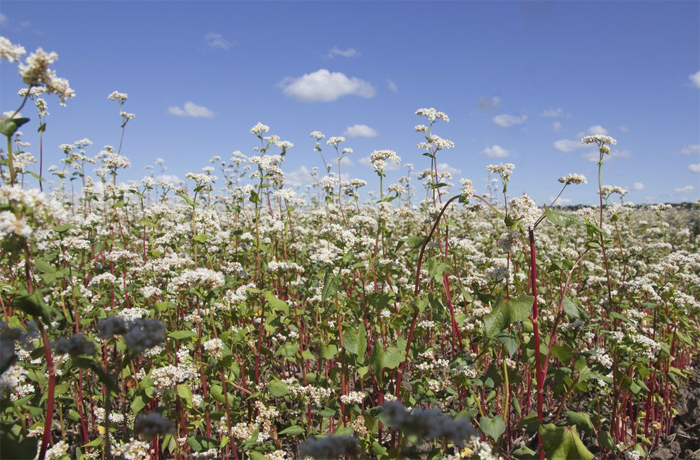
[(487, 103), (444, 167), (360, 131), (390, 165), (592, 156), (325, 86), (624, 129), (695, 167), (505, 120), (346, 161), (695, 79), (495, 151), (567, 145), (561, 200), (217, 41), (169, 178), (556, 125), (691, 149), (686, 189), (348, 53), (3, 19), (597, 129), (190, 109), (637, 186), (298, 178), (552, 112), (392, 86)]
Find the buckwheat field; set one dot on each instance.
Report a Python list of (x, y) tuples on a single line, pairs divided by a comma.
[(232, 316)]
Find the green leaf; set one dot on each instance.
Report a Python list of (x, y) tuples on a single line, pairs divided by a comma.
[(293, 430), (43, 266), (563, 443), (33, 304), (276, 303), (179, 335), (375, 360), (493, 426), (288, 350), (95, 442), (415, 241), (63, 228), (570, 308), (329, 351), (561, 219), (345, 431), (331, 285), (202, 238), (278, 388), (201, 443), (582, 421), (355, 340), (188, 200), (564, 353), (11, 447), (506, 313), (392, 357), (529, 423), (254, 455), (606, 440), (379, 449), (9, 126), (138, 404), (184, 391)]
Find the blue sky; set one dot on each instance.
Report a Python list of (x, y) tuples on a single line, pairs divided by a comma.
[(522, 82)]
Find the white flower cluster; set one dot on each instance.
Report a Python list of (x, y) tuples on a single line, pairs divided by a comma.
[(166, 377), (354, 397), (601, 357), (200, 178), (525, 209), (599, 139), (379, 158), (131, 314), (13, 379), (480, 449), (432, 115), (111, 160), (116, 95), (214, 347), (440, 143), (57, 451), (503, 170), (573, 179), (10, 52), (263, 423), (310, 392), (318, 135), (467, 188), (335, 140), (259, 129), (651, 346), (10, 225), (132, 450), (35, 209), (200, 277), (277, 455), (607, 190)]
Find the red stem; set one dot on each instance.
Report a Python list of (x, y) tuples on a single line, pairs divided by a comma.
[(538, 360), (50, 394)]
